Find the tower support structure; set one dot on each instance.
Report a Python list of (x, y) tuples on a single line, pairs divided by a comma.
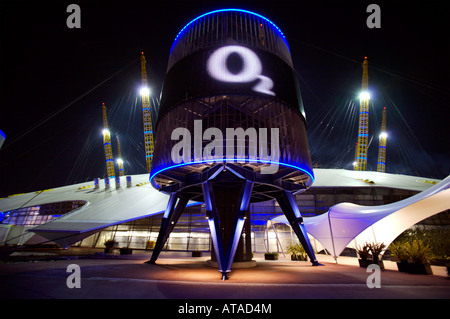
[(360, 163), (147, 116), (381, 163), (206, 93), (120, 159), (107, 145)]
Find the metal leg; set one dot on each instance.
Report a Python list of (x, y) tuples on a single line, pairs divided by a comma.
[(289, 206), (213, 222), (225, 261), (238, 224), (169, 220)]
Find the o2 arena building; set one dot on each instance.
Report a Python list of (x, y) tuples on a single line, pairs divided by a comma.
[(334, 208), (341, 208)]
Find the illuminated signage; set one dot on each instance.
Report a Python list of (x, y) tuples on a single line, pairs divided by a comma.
[(230, 70), (250, 70)]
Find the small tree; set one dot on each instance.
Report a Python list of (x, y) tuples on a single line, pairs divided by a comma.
[(376, 249), (420, 252), (363, 252), (297, 252), (400, 250)]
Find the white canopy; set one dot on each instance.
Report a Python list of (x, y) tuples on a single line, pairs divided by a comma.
[(347, 222)]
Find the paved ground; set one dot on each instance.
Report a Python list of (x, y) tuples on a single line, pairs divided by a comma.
[(176, 276)]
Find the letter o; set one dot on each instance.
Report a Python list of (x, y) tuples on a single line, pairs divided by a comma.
[(217, 65)]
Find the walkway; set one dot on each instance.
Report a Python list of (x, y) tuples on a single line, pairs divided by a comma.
[(178, 276)]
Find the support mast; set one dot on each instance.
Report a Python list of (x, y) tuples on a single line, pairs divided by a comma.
[(381, 163), (147, 116), (119, 160), (363, 130), (107, 145)]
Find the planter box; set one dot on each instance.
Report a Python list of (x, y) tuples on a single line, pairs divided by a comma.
[(366, 263), (414, 268), (270, 257), (126, 251), (298, 258)]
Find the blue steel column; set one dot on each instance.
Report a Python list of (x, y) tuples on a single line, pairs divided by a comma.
[(168, 222), (213, 221), (289, 206), (238, 224)]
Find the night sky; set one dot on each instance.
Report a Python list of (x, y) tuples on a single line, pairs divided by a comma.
[(54, 80)]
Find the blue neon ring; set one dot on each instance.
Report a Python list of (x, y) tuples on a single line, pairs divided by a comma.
[(310, 174), (223, 10)]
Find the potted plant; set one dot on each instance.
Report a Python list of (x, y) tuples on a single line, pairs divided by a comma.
[(271, 256), (364, 254), (420, 254), (375, 250), (110, 244), (297, 252), (400, 251), (413, 256)]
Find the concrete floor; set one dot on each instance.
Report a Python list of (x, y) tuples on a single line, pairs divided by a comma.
[(179, 276)]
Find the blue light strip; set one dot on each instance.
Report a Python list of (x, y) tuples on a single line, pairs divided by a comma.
[(230, 161), (363, 134), (224, 10)]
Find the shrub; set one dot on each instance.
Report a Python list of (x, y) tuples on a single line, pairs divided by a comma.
[(363, 252), (296, 251), (400, 250), (419, 251), (376, 249)]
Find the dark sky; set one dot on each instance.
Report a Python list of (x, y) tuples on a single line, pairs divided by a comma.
[(54, 80)]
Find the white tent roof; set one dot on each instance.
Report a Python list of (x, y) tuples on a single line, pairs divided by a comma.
[(114, 206), (104, 207), (347, 222), (347, 178)]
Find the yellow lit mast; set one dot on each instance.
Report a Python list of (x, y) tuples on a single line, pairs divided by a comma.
[(147, 115), (119, 160), (381, 164), (107, 145), (360, 163)]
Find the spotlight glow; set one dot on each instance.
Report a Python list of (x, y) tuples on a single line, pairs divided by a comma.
[(364, 95), (383, 135), (105, 131), (144, 91)]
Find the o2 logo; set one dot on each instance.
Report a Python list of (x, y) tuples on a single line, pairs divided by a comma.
[(251, 68)]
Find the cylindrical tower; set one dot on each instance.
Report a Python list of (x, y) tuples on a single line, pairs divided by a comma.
[(231, 118)]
